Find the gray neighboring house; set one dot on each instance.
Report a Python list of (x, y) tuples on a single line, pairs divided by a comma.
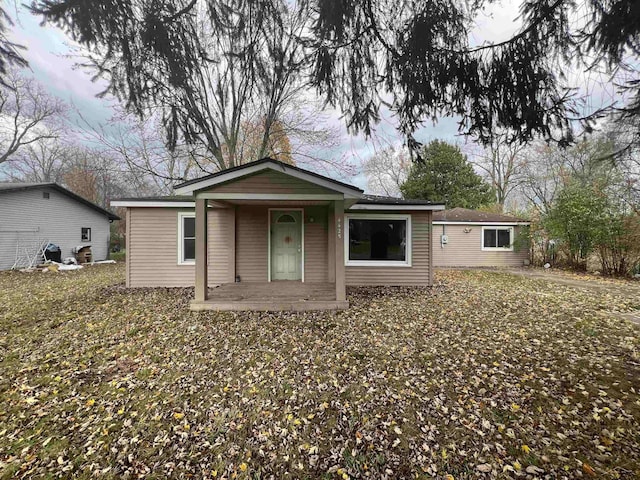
[(35, 212)]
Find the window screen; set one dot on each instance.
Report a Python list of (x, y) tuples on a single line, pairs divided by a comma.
[(85, 234)]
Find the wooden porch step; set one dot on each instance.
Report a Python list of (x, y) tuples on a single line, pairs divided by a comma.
[(268, 306)]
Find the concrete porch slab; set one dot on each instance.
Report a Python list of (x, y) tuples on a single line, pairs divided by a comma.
[(271, 296)]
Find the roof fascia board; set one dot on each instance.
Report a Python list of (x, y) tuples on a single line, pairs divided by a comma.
[(377, 206), (151, 203), (160, 203), (268, 196)]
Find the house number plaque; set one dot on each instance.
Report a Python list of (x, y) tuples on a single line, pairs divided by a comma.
[(339, 228)]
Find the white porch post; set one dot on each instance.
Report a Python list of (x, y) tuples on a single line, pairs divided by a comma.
[(201, 292), (338, 215)]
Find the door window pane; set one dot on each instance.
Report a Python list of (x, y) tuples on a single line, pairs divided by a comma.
[(286, 218)]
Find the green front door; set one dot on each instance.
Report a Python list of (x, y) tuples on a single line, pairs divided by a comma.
[(286, 245)]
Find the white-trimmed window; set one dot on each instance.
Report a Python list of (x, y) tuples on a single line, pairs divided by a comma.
[(186, 238), (497, 238), (378, 240)]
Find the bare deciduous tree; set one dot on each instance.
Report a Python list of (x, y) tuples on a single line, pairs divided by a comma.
[(386, 170), (547, 167), (248, 100), (41, 161), (96, 175), (502, 164), (138, 149), (28, 114)]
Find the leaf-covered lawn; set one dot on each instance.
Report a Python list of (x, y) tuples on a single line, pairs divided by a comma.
[(486, 375)]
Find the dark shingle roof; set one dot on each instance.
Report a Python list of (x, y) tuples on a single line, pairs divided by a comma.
[(380, 200), (461, 215), (21, 186), (14, 187), (366, 199)]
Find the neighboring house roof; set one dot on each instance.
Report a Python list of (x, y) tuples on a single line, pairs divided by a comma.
[(465, 215), (267, 163), (15, 187)]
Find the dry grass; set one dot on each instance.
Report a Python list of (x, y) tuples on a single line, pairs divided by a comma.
[(486, 375)]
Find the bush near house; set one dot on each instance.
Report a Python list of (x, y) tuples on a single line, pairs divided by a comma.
[(591, 225)]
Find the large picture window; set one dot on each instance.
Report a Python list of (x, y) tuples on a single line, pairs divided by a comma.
[(186, 238), (380, 240), (497, 238)]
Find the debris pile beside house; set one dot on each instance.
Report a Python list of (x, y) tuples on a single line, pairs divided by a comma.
[(68, 264), (83, 253), (29, 250), (53, 253)]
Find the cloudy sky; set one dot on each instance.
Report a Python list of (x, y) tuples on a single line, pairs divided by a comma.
[(52, 62)]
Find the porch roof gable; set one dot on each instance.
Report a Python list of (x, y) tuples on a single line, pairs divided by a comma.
[(192, 187)]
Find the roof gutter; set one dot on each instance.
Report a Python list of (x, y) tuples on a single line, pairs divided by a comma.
[(496, 224)]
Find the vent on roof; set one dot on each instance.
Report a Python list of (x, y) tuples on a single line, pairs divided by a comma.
[(45, 195)]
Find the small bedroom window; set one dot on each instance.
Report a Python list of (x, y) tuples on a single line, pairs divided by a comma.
[(497, 238), (85, 234), (186, 238)]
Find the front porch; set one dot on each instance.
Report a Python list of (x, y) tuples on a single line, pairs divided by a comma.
[(285, 224), (271, 296)]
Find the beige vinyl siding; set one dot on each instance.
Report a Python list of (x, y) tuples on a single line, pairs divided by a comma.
[(251, 243), (465, 249), (269, 181), (152, 244), (419, 272), (316, 238), (252, 230)]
